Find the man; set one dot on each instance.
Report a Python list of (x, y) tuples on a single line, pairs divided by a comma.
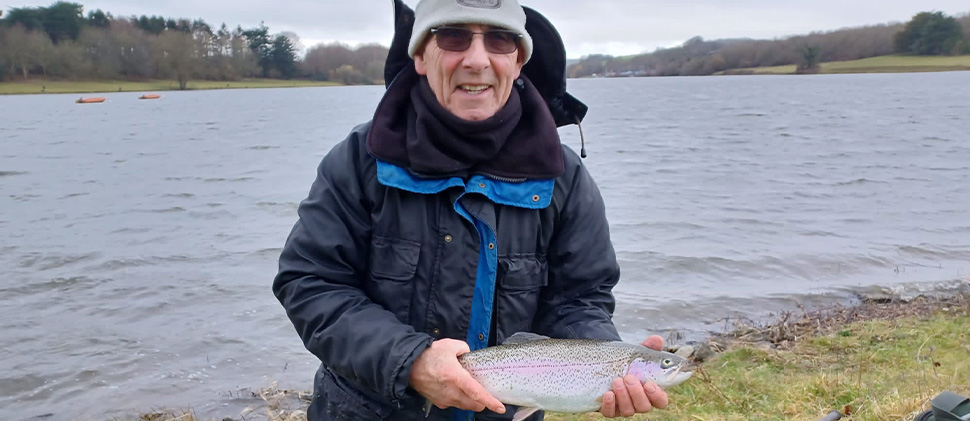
[(452, 220)]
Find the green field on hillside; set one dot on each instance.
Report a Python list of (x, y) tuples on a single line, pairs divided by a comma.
[(881, 64)]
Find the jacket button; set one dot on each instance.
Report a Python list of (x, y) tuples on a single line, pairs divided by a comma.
[(535, 198), (436, 332), (491, 246), (481, 336), (482, 185), (448, 238)]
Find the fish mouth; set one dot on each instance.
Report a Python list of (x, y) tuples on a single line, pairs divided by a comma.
[(678, 375)]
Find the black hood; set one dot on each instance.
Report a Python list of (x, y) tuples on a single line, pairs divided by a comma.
[(546, 69)]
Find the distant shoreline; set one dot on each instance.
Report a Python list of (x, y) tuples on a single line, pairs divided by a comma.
[(43, 86), (881, 64)]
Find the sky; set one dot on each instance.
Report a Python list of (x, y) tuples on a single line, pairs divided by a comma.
[(615, 27)]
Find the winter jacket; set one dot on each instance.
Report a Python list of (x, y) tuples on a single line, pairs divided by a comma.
[(382, 262)]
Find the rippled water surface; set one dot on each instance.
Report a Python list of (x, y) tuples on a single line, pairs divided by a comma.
[(138, 239)]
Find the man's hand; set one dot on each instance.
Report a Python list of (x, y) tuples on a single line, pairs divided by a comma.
[(629, 397), (438, 376)]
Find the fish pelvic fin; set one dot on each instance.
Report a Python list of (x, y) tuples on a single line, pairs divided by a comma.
[(426, 407), (524, 412)]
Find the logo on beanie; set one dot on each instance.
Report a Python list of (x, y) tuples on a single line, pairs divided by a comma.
[(481, 4)]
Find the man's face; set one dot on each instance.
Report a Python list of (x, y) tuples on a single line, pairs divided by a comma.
[(473, 84)]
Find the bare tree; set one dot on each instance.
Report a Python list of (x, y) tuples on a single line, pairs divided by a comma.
[(133, 52), (68, 61), (100, 52), (40, 50), (369, 60), (323, 59), (16, 50), (176, 56), (245, 62)]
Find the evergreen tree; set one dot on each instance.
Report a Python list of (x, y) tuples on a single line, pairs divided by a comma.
[(930, 33), (282, 56), (98, 19), (259, 44), (28, 17), (63, 21)]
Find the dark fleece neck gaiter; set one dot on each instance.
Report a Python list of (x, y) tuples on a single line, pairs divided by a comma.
[(412, 130)]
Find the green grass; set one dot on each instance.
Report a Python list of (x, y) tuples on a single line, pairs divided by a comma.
[(881, 64), (36, 86), (880, 370)]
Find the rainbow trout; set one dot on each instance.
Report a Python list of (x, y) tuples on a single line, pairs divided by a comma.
[(566, 375)]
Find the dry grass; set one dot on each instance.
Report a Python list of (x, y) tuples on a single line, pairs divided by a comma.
[(276, 405)]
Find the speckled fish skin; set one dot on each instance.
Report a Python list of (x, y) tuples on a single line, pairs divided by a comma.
[(567, 375)]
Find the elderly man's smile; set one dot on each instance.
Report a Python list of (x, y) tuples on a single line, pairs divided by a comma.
[(474, 89)]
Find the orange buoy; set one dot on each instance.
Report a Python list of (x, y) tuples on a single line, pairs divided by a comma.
[(92, 100), (150, 96)]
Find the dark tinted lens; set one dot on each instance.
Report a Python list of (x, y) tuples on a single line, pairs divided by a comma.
[(497, 41), (453, 39), (501, 42)]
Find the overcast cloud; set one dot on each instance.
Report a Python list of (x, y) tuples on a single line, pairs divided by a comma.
[(614, 27)]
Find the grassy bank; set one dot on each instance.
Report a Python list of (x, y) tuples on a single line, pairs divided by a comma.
[(880, 367), (37, 86), (881, 64), (877, 361)]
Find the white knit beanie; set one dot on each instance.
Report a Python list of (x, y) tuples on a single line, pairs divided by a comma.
[(506, 14)]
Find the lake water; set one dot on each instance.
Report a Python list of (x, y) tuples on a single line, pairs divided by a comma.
[(139, 239)]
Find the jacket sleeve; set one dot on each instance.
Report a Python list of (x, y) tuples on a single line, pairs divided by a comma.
[(322, 271), (578, 301)]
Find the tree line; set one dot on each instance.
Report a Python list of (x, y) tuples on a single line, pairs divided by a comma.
[(61, 42), (928, 33)]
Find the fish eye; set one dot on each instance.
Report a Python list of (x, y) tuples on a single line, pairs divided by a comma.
[(667, 362)]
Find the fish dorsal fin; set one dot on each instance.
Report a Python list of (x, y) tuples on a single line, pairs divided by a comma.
[(522, 337)]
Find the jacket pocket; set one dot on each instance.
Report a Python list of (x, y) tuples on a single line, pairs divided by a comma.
[(343, 402), (393, 263), (520, 281), (393, 258), (522, 272)]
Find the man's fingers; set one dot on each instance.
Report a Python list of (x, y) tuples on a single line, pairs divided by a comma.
[(629, 397), (608, 408), (638, 394), (479, 395), (623, 402), (658, 398), (456, 346), (654, 342)]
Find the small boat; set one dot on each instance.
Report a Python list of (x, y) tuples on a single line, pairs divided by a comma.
[(91, 100), (150, 96)]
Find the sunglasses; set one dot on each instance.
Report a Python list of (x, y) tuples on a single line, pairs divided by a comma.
[(497, 41)]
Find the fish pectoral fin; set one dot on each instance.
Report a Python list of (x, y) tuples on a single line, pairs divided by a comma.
[(524, 412), (522, 337)]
